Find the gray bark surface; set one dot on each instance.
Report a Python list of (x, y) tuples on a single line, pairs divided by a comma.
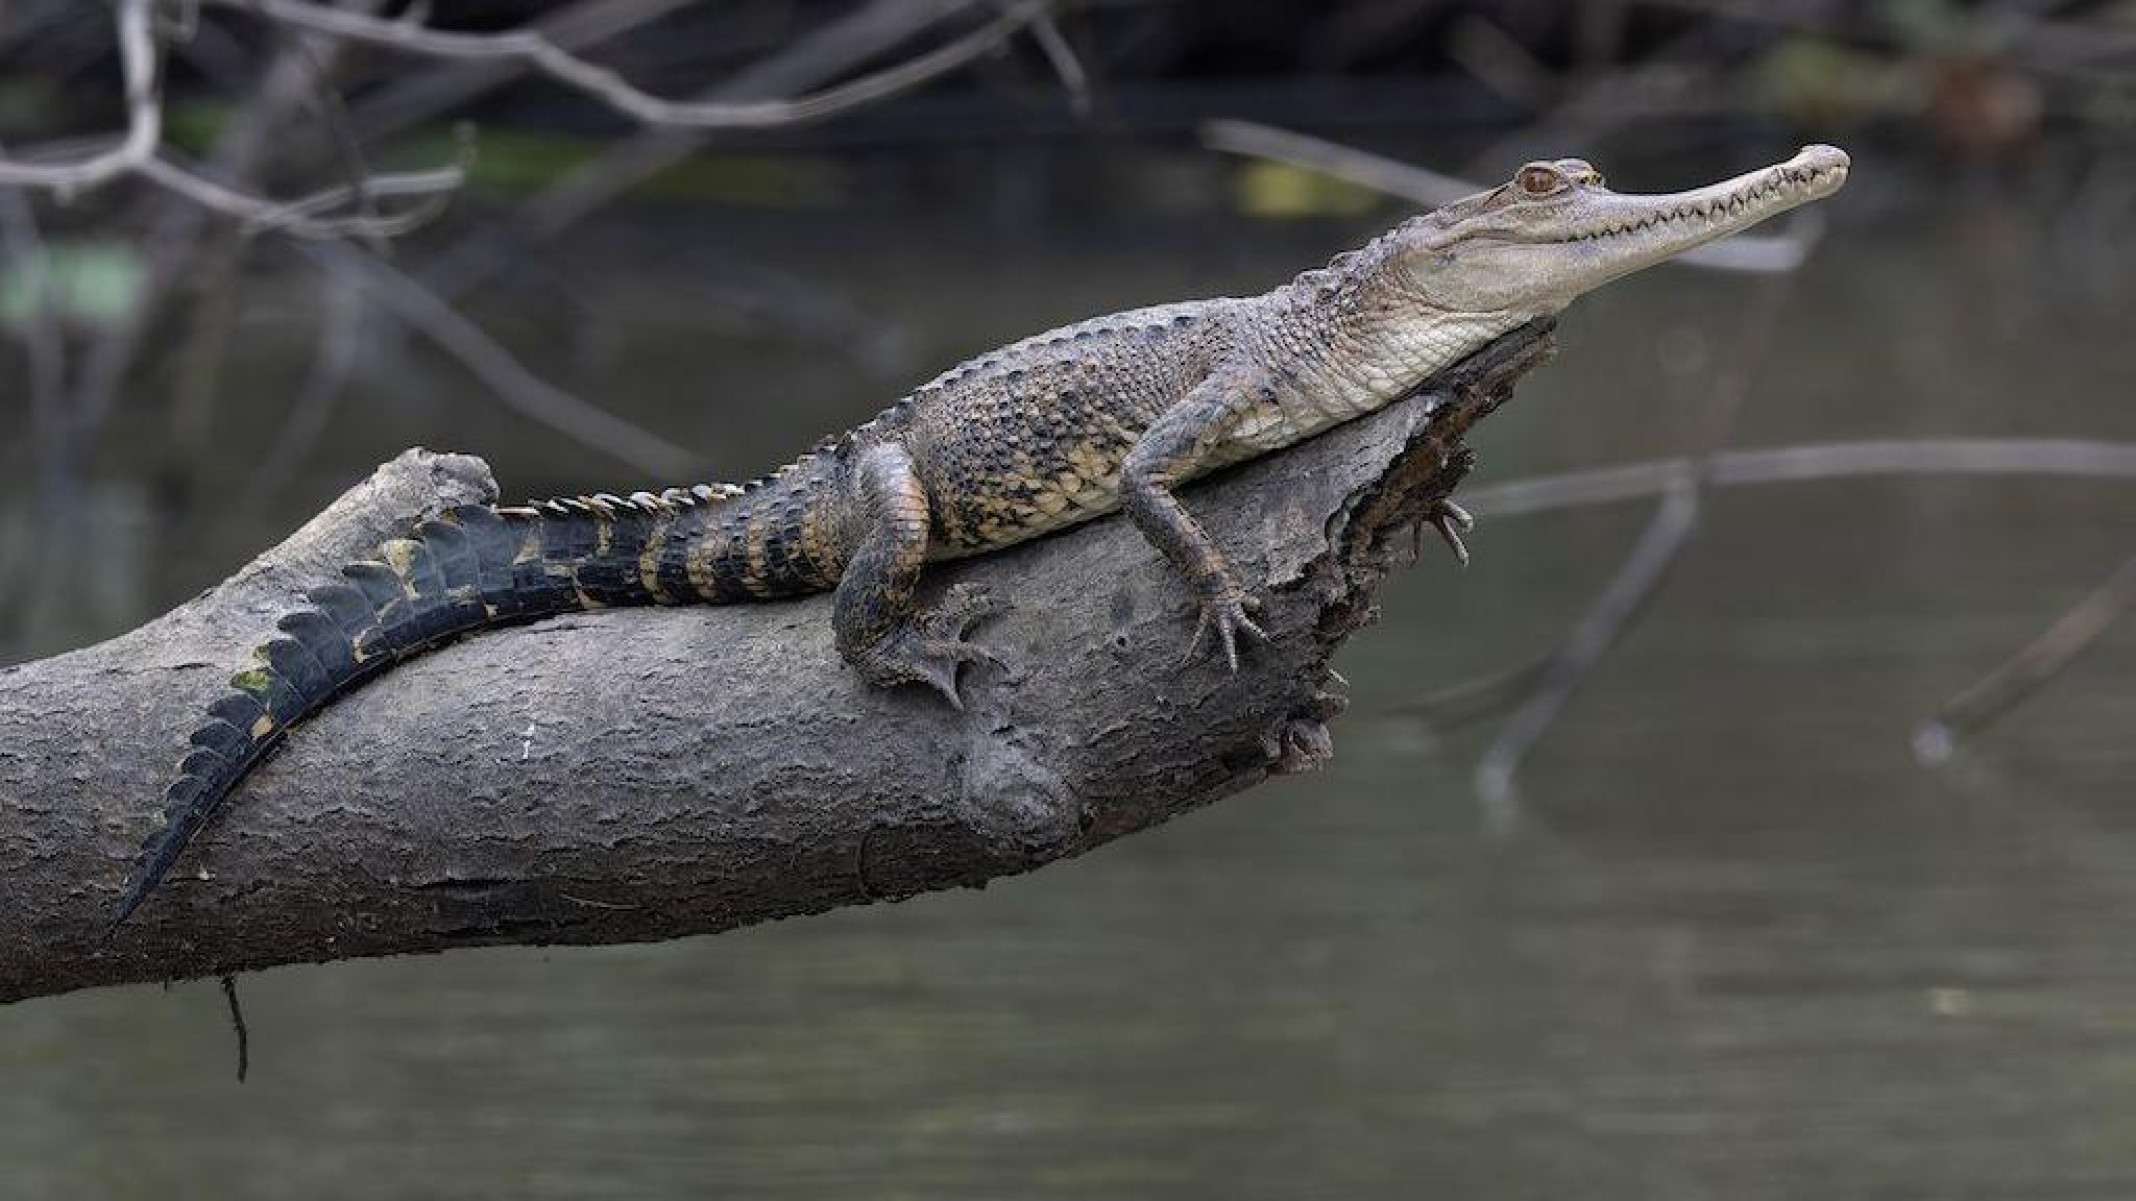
[(642, 774)]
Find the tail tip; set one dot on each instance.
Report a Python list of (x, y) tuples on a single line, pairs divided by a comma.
[(136, 894)]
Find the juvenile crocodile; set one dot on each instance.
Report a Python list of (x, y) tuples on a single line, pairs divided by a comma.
[(1110, 413)]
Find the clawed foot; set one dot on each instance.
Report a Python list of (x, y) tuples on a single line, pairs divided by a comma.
[(1452, 521), (1227, 611), (931, 646)]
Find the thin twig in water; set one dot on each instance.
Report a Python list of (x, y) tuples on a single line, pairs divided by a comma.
[(1761, 253), (1584, 645), (1476, 699), (237, 1027), (2009, 685), (1487, 696), (1620, 604), (537, 51), (2055, 457), (507, 378)]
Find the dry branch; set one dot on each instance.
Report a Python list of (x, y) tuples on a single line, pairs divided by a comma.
[(144, 116), (831, 51), (1935, 740), (538, 52), (1485, 697), (2065, 458), (408, 98), (2012, 683), (139, 153), (1608, 616), (647, 774)]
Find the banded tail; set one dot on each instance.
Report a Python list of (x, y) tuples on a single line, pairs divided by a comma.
[(473, 568)]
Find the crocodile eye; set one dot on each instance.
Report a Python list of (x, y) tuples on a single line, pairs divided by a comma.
[(1538, 179)]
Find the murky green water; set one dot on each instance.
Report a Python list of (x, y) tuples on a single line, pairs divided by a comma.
[(1737, 946)]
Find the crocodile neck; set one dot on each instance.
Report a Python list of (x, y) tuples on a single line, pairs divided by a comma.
[(1347, 340)]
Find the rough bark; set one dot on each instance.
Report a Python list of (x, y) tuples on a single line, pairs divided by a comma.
[(633, 775)]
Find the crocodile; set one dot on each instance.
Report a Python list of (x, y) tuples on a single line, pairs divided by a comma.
[(1113, 413)]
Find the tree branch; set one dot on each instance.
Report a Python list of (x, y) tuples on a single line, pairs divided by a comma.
[(1936, 739), (645, 774), (144, 117), (257, 214), (829, 52), (140, 153), (533, 48), (2052, 458)]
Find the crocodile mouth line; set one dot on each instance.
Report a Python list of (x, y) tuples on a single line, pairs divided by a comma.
[(1792, 184)]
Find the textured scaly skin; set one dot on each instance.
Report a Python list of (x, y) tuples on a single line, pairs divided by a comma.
[(1112, 413)]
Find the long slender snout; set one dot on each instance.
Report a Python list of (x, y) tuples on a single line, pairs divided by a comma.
[(1629, 232), (1535, 244)]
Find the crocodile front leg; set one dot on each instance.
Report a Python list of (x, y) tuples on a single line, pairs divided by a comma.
[(880, 628), (1180, 445)]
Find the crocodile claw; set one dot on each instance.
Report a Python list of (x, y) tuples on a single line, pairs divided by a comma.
[(1452, 521), (1228, 614), (930, 647), (937, 662)]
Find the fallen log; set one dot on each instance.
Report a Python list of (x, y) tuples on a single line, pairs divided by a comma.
[(634, 775)]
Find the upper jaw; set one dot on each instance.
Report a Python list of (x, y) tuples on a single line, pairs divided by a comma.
[(1668, 224)]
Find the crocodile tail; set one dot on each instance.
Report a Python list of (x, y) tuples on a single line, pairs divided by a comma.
[(472, 568)]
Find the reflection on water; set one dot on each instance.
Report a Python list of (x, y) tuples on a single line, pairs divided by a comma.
[(1739, 946)]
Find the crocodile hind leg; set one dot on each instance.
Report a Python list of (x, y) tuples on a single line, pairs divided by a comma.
[(880, 627)]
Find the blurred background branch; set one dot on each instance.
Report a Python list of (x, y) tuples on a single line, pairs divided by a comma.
[(140, 153), (533, 49), (1494, 695), (1936, 739)]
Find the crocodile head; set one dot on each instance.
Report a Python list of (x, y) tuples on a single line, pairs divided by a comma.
[(1533, 244)]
